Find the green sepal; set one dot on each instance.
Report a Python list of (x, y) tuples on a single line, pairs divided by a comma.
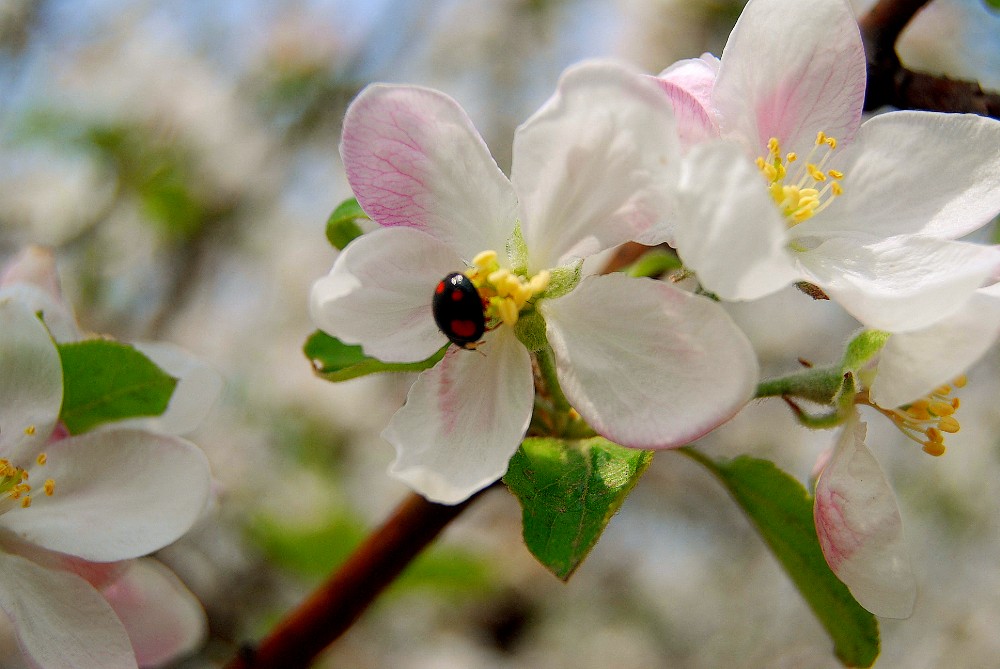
[(342, 227), (781, 510), (654, 263), (106, 381), (335, 361), (530, 331), (517, 252), (568, 491), (563, 280), (863, 348), (822, 385)]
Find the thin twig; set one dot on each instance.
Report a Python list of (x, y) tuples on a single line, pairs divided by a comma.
[(892, 84), (336, 604)]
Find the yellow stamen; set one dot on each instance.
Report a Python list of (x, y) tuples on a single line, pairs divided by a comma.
[(30, 430), (505, 293), (798, 195), (928, 419), (42, 459), (50, 487)]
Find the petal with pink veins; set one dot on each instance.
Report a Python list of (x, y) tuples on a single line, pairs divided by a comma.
[(119, 494), (379, 294), (860, 529), (414, 159), (61, 621), (595, 166), (790, 70), (646, 364), (464, 419)]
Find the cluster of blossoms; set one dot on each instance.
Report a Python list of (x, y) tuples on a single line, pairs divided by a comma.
[(79, 512), (758, 170)]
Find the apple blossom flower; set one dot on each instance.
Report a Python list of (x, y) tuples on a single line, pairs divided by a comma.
[(105, 496), (796, 188), (645, 364), (860, 529)]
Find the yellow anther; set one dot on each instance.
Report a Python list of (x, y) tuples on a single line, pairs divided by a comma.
[(42, 459), (815, 173), (773, 146), (942, 390), (941, 408), (50, 487), (835, 174), (485, 259), (799, 197), (935, 448), (498, 277), (831, 142), (791, 157), (507, 310), (820, 138), (30, 430), (837, 189), (948, 424), (540, 281), (26, 502), (960, 381)]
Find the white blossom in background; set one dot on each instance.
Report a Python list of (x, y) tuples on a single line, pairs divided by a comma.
[(645, 364), (161, 617), (798, 189)]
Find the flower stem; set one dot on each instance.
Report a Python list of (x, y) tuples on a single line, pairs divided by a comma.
[(547, 366), (334, 606)]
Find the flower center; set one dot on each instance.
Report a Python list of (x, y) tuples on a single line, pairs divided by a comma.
[(505, 294), (927, 420), (803, 192), (15, 491)]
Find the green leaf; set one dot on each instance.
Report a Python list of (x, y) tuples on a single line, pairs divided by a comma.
[(106, 381), (342, 227), (992, 4), (781, 509), (334, 360), (568, 491)]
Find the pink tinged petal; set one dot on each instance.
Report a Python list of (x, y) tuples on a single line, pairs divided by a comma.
[(695, 122), (594, 167), (901, 283), (648, 365), (379, 294), (463, 419), (161, 616), (119, 494), (789, 70), (62, 622), (918, 173), (860, 529), (913, 363), (696, 76), (729, 230), (30, 383), (414, 159)]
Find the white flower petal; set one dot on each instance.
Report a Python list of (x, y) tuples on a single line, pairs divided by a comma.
[(901, 283), (198, 387), (30, 383), (696, 76), (594, 166), (860, 530), (463, 419), (161, 616), (379, 294), (695, 120), (414, 159), (789, 70), (119, 494), (62, 622), (648, 365), (918, 172), (911, 364), (728, 229), (31, 278)]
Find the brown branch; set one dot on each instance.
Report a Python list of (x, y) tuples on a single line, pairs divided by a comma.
[(336, 604), (892, 84)]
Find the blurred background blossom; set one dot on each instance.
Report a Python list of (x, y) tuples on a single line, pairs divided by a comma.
[(182, 159)]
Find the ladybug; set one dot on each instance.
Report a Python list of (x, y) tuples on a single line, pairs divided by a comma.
[(458, 310)]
